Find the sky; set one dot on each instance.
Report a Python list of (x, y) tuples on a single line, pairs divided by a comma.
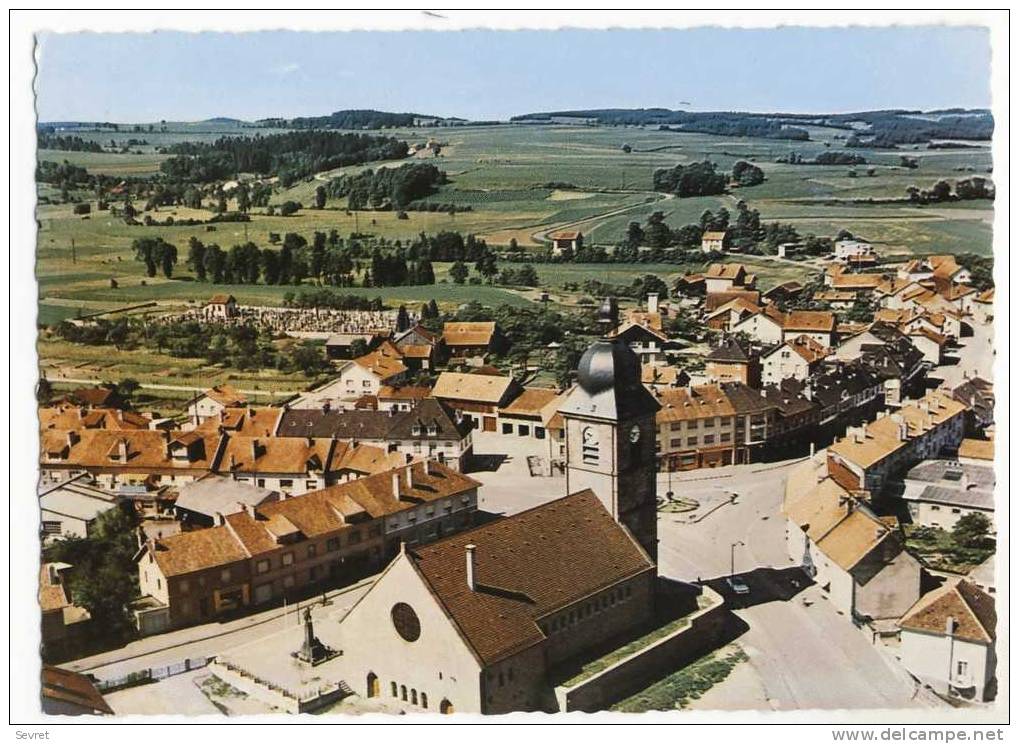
[(497, 74)]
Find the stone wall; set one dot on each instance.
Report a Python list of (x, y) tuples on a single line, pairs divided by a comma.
[(634, 672)]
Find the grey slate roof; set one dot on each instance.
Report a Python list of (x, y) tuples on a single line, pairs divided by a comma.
[(609, 386), (216, 493)]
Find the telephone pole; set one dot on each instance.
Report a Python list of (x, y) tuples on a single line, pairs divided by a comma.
[(74, 255)]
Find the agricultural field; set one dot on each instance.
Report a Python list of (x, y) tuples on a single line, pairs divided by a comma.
[(520, 182)]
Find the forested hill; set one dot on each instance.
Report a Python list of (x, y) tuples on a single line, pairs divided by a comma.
[(869, 128), (291, 155), (348, 119)]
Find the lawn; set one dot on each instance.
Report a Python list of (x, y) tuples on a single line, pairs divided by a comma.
[(938, 549)]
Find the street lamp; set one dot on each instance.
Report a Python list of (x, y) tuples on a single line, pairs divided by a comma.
[(732, 558)]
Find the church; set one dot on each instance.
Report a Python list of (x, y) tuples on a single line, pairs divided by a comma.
[(475, 622)]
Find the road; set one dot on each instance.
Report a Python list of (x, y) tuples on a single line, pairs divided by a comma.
[(802, 653)]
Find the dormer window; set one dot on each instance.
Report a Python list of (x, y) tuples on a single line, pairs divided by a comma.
[(416, 430), (433, 430)]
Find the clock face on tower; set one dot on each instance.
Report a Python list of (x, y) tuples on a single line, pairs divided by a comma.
[(635, 434)]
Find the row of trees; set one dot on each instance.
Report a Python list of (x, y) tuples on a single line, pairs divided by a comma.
[(695, 179), (941, 191)]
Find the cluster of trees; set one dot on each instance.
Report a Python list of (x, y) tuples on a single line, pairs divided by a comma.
[(695, 179), (155, 253), (46, 171), (326, 298), (829, 157), (638, 289), (70, 143), (747, 174), (742, 126), (393, 270), (941, 191), (525, 276), (388, 188), (240, 346), (290, 155), (104, 579)]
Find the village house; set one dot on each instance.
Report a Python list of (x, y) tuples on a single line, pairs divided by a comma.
[(70, 508), (481, 619), (696, 428), (756, 416), (62, 621), (947, 638), (784, 292), (938, 493), (976, 452), (765, 327), (798, 358), (67, 693), (714, 241), (901, 368), (67, 416), (847, 249), (931, 344), (431, 429), (858, 559), (977, 394), (645, 339), (525, 416), (660, 376), (727, 278), (733, 360), (198, 503), (772, 326), (476, 397), (838, 299), (946, 271), (869, 456), (212, 401), (297, 545), (120, 462), (848, 393), (897, 293), (728, 315), (287, 465), (471, 340), (249, 421), (566, 240), (916, 270), (359, 377), (220, 307), (419, 347), (100, 396), (401, 397)]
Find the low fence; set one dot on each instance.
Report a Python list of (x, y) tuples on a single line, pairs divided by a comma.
[(152, 674), (634, 672)]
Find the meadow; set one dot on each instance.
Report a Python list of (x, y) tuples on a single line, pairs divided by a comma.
[(520, 182)]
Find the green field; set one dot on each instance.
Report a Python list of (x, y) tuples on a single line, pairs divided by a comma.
[(501, 173)]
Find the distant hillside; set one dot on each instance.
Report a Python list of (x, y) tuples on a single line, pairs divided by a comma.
[(887, 128), (355, 119), (222, 120)]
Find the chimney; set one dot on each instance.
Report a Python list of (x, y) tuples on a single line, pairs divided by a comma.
[(254, 449), (247, 509), (410, 477), (471, 584), (72, 438), (326, 406), (652, 302), (54, 576), (950, 625), (122, 450), (220, 520), (396, 485)]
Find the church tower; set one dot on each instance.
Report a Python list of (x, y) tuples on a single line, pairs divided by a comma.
[(610, 438)]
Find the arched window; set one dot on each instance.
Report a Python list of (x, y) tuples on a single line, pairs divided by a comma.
[(393, 688), (372, 685), (445, 707), (413, 697), (424, 699), (403, 693)]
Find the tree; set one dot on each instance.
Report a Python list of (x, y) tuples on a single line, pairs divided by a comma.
[(402, 319), (196, 258), (167, 258), (972, 530), (487, 267), (243, 198), (43, 391), (459, 271), (320, 197), (104, 578), (747, 174)]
